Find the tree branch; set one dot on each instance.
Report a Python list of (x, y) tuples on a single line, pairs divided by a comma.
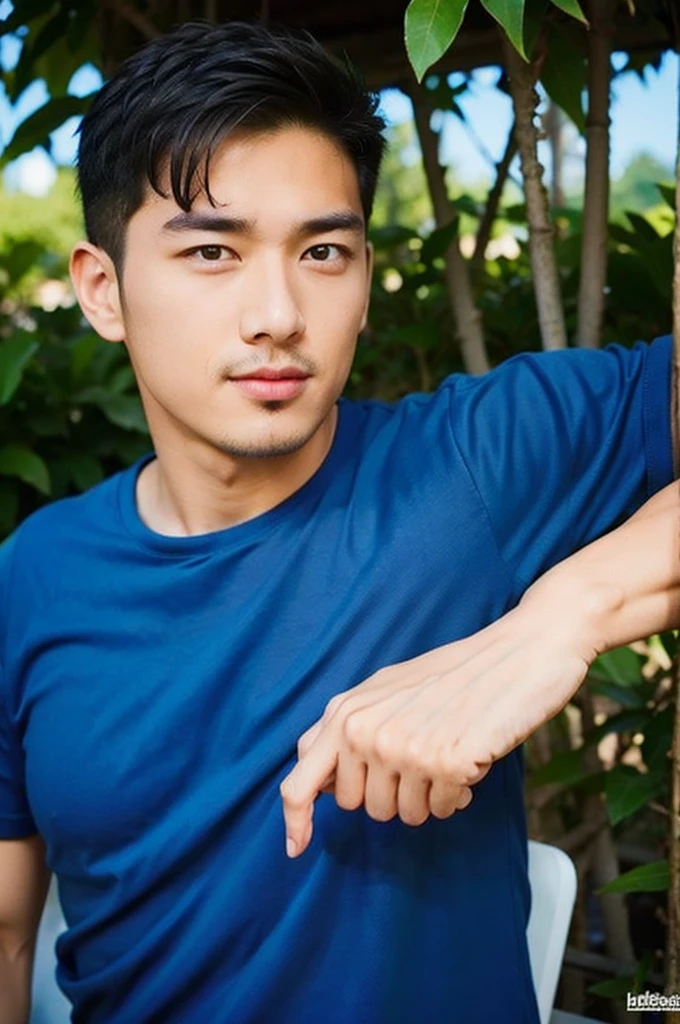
[(591, 296), (135, 18), (467, 317), (523, 79), (494, 198)]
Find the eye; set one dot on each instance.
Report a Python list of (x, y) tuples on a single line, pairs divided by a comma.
[(211, 253), (325, 252)]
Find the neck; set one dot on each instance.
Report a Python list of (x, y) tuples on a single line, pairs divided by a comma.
[(191, 489)]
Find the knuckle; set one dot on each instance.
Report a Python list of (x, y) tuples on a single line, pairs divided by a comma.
[(415, 754), (356, 731), (385, 743), (290, 793), (333, 704), (444, 763)]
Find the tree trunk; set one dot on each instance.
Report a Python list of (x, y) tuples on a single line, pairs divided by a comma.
[(553, 124), (605, 868), (591, 297), (467, 317), (541, 249)]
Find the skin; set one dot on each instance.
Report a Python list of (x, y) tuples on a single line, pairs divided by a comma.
[(277, 275), (258, 280)]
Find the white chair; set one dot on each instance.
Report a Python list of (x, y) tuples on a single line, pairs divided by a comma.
[(553, 881), (49, 1005)]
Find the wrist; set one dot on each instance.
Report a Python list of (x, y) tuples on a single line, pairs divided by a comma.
[(588, 611)]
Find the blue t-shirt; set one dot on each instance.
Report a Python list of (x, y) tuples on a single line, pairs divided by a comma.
[(153, 690)]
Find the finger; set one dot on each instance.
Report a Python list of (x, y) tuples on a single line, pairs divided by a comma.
[(350, 782), (380, 797), (301, 787), (447, 797), (413, 798), (308, 738)]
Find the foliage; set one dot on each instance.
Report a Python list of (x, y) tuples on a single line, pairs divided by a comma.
[(432, 25), (69, 411)]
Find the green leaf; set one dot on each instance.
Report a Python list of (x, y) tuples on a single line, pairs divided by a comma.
[(642, 227), (122, 410), (15, 354), (621, 666), (23, 13), (612, 988), (9, 506), (626, 790), (21, 258), (417, 335), (565, 767), (653, 877), (625, 721), (642, 970), (391, 235), (658, 739), (510, 16), (83, 470), (430, 28), (35, 130), (438, 241), (627, 696), (571, 7), (534, 17), (122, 380), (83, 352), (564, 76), (21, 462)]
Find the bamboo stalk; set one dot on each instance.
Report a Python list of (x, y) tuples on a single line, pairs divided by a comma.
[(467, 317), (591, 296), (523, 79)]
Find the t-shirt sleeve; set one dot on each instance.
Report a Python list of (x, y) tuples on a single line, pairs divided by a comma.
[(16, 821), (563, 446)]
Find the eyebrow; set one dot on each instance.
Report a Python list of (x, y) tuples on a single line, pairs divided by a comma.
[(338, 220)]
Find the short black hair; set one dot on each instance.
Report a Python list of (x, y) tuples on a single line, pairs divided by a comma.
[(164, 113)]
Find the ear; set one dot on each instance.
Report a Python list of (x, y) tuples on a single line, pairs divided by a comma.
[(95, 282), (369, 276)]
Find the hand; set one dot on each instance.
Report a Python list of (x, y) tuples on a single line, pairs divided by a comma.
[(414, 738)]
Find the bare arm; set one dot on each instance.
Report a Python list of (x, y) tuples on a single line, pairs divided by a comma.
[(414, 738), (24, 879)]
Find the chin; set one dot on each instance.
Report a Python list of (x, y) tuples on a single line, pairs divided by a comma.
[(263, 448)]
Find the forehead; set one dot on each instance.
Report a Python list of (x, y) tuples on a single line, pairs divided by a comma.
[(291, 171)]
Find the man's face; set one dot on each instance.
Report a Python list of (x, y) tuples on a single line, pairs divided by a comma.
[(241, 318)]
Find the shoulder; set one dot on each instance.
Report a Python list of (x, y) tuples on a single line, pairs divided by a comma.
[(48, 543)]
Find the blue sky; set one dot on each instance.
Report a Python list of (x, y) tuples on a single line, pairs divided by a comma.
[(644, 117)]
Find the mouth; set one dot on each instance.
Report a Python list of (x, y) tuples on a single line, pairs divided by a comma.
[(272, 385)]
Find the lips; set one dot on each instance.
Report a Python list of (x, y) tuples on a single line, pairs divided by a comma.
[(272, 385)]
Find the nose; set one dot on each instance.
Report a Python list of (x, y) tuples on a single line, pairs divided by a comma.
[(271, 309)]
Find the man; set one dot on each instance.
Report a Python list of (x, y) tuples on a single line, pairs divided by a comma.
[(168, 637)]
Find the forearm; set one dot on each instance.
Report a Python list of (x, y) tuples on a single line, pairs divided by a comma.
[(15, 986), (624, 586)]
